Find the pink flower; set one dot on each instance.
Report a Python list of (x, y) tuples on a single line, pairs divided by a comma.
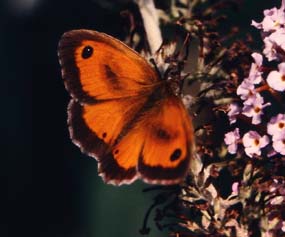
[(246, 90), (270, 49), (255, 70), (279, 145), (276, 79), (276, 126), (273, 31), (231, 139), (253, 143), (274, 44), (273, 20), (234, 110), (254, 108), (278, 37)]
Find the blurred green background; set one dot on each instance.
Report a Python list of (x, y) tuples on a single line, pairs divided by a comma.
[(53, 189)]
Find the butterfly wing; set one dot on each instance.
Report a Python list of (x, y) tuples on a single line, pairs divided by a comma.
[(109, 82), (96, 66), (119, 113), (162, 141), (96, 128), (155, 143)]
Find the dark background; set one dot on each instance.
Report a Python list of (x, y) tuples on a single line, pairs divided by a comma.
[(53, 189)]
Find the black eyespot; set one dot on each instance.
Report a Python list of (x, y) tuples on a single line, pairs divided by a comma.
[(104, 135), (87, 52), (162, 134), (175, 155), (116, 152)]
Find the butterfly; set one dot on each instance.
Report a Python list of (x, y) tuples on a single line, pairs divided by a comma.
[(122, 112)]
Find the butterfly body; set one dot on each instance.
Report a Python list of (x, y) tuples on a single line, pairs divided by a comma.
[(122, 112)]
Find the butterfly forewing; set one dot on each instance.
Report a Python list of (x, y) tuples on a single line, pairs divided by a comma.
[(95, 132), (96, 66)]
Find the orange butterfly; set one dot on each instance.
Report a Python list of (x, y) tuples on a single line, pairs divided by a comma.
[(122, 112)]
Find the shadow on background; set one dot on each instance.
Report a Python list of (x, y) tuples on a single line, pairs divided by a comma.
[(54, 190)]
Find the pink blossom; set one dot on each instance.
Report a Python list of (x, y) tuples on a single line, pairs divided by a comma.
[(278, 37), (273, 20), (270, 49), (234, 110), (246, 90), (231, 139), (255, 70), (273, 31), (254, 108), (279, 145), (276, 79), (253, 143), (276, 126), (274, 43)]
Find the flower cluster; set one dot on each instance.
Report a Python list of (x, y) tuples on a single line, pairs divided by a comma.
[(273, 32), (258, 117), (236, 191), (260, 94)]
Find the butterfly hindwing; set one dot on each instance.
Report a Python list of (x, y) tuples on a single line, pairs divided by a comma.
[(153, 143), (168, 145), (162, 139), (95, 129)]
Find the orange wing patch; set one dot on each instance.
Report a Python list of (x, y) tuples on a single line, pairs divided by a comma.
[(161, 142), (166, 131), (107, 119), (127, 151), (96, 129), (168, 145), (96, 67)]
